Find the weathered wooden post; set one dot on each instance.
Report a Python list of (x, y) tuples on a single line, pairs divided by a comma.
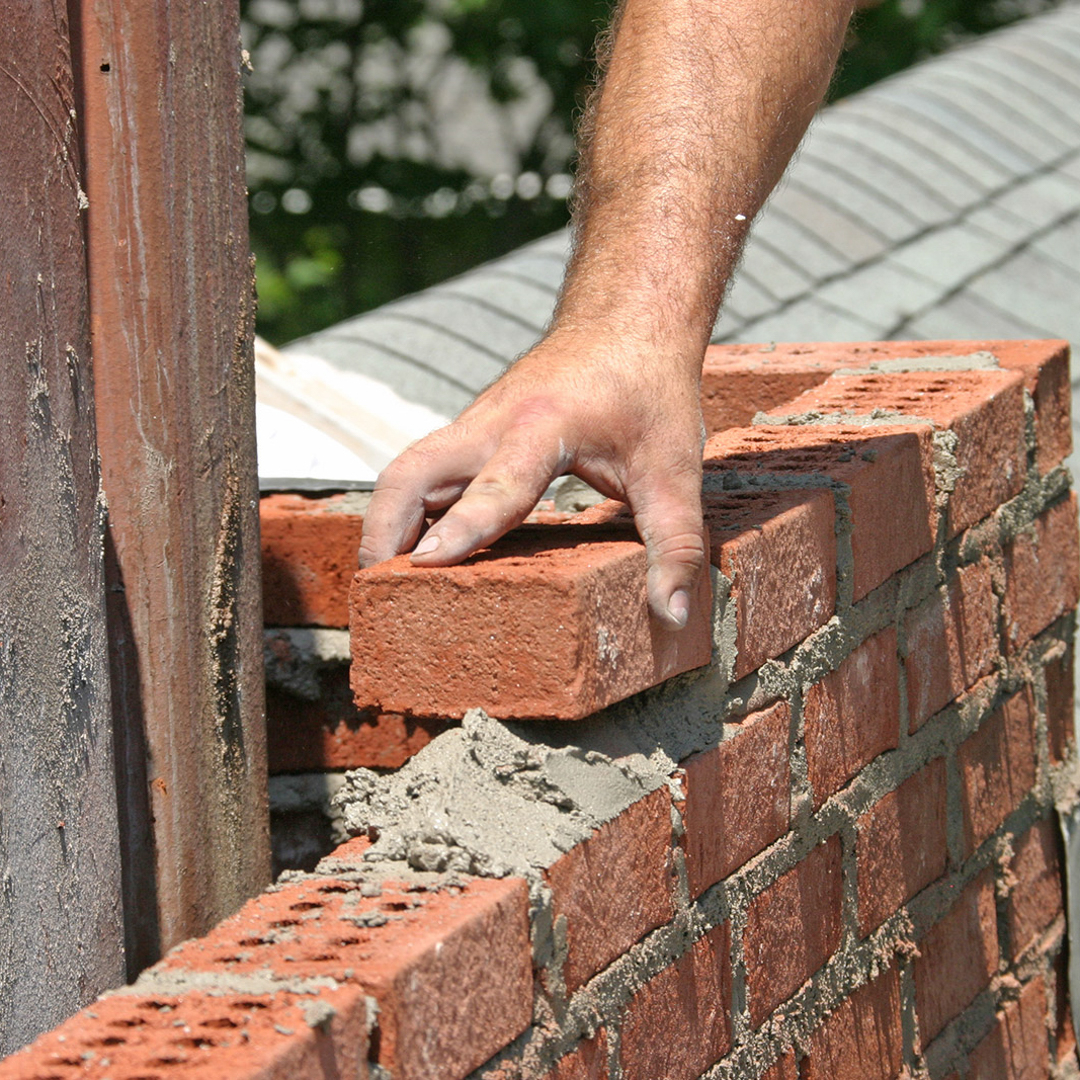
[(171, 303), (61, 939)]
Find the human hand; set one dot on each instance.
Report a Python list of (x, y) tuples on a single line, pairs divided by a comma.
[(623, 418)]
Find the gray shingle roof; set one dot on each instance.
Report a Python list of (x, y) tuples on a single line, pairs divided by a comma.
[(944, 202)]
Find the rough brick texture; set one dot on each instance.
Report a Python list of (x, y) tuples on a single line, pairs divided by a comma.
[(951, 642), (997, 767), (1042, 573), (449, 970), (957, 958), (1060, 704), (1016, 1048), (738, 798), (588, 1062), (983, 409), (902, 845), (679, 1023), (886, 474), (863, 1039), (792, 928), (309, 556), (765, 543), (1038, 893), (553, 622), (614, 887), (279, 1036), (852, 715)]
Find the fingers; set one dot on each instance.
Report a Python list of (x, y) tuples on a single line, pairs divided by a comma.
[(667, 512), (504, 492), (425, 477)]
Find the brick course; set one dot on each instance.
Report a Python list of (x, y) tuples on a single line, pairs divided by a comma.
[(852, 715), (792, 928)]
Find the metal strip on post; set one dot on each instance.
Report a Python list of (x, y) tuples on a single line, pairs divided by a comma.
[(172, 314), (61, 940)]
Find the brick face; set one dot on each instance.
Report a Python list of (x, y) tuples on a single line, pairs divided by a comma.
[(1037, 898), (679, 1023), (1041, 574), (587, 1062), (450, 971), (887, 473), (204, 1036), (957, 958), (984, 409), (952, 641), (779, 550), (1016, 1048), (551, 623), (863, 1039), (997, 767), (1060, 705), (738, 798), (852, 714), (615, 887), (792, 928), (902, 845), (309, 556), (784, 1068)]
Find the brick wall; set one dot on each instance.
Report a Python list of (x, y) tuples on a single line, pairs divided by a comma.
[(814, 837)]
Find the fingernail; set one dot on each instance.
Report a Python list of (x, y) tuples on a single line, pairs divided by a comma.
[(427, 545), (679, 607)]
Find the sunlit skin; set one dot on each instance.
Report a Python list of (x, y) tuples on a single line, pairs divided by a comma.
[(701, 106)]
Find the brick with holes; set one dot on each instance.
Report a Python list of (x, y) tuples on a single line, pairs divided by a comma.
[(885, 474), (205, 1036), (449, 967)]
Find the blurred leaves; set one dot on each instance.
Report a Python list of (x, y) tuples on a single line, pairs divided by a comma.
[(394, 143)]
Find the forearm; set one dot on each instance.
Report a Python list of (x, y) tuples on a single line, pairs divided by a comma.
[(701, 106)]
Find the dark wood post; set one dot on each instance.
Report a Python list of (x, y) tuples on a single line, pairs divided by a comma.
[(61, 938), (171, 302)]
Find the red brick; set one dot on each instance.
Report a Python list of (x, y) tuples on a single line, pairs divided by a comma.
[(1041, 574), (587, 1062), (449, 970), (779, 551), (738, 798), (957, 958), (863, 1039), (792, 928), (888, 472), (902, 845), (1060, 704), (952, 642), (553, 622), (997, 767), (784, 1068), (679, 1022), (332, 733), (742, 379), (1016, 1048), (615, 887), (205, 1037), (1045, 365), (309, 556), (1038, 895), (985, 410), (852, 714)]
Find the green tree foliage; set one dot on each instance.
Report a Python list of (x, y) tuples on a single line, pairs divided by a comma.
[(393, 143)]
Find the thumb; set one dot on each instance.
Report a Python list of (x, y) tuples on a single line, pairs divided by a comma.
[(667, 513)]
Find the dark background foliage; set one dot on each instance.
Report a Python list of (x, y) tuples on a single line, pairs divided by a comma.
[(393, 143)]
